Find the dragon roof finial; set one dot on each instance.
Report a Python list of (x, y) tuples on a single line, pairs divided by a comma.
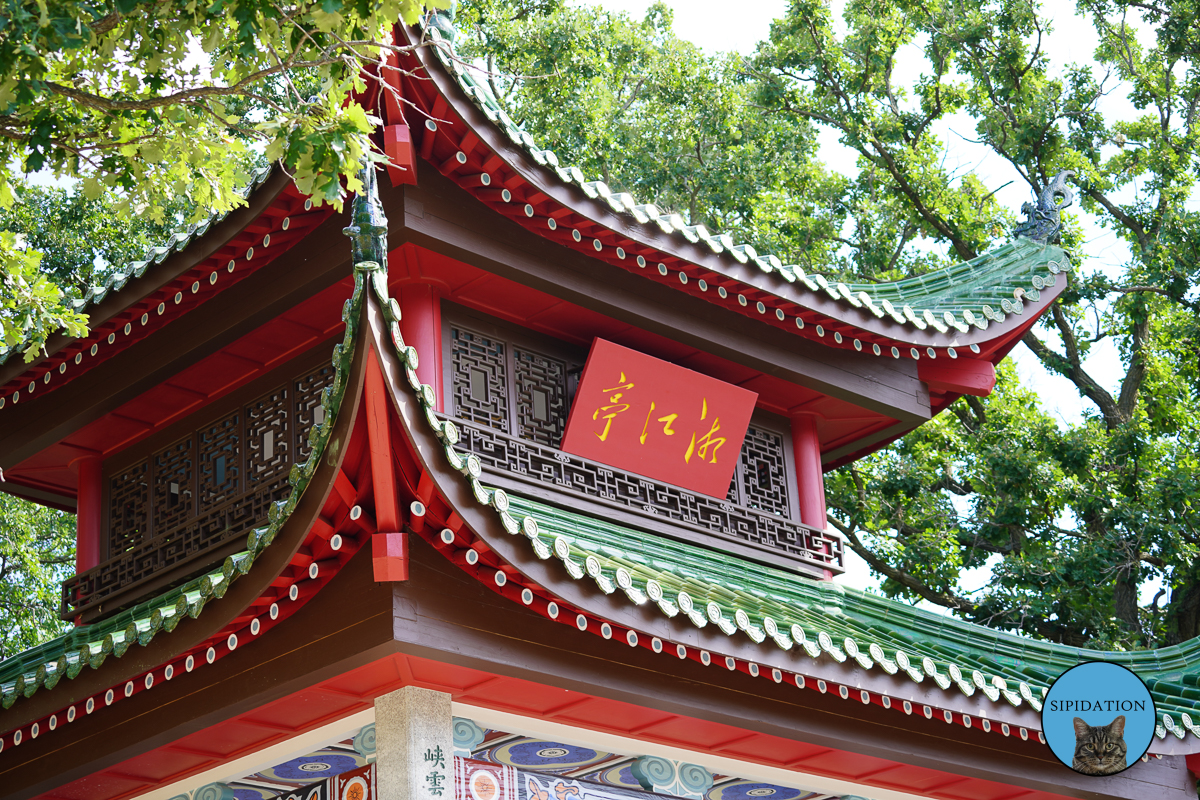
[(368, 225), (1043, 222)]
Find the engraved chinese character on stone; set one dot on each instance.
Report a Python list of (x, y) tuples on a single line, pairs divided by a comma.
[(435, 756)]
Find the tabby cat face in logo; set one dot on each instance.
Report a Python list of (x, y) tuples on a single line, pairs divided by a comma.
[(1098, 718), (1100, 749)]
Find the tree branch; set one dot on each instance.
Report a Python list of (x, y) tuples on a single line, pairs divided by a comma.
[(910, 582), (1070, 367)]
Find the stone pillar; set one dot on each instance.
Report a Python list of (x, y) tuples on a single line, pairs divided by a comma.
[(89, 505), (810, 480), (421, 326), (414, 745)]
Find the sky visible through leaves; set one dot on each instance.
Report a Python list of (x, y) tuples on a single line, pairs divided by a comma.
[(708, 24)]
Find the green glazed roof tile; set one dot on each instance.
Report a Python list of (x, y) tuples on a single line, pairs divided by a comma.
[(975, 291)]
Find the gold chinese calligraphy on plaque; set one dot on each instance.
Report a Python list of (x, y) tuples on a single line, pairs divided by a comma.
[(655, 418)]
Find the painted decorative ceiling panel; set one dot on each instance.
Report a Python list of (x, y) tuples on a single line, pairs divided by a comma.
[(543, 756), (496, 765), (298, 773), (600, 775), (545, 785)]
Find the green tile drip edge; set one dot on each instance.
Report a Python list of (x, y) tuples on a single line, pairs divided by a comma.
[(177, 242)]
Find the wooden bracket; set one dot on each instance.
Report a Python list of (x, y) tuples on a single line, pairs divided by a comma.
[(397, 138), (398, 146), (394, 91), (963, 376)]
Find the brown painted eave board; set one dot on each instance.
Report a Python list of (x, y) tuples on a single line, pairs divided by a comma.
[(842, 455), (442, 217), (41, 496), (159, 275), (310, 266), (572, 197)]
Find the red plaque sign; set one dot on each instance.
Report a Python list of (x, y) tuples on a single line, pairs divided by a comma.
[(636, 412)]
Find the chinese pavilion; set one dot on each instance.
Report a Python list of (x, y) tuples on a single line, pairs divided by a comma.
[(517, 494)]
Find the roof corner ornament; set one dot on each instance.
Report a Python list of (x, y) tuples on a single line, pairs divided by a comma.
[(368, 225), (1043, 222)]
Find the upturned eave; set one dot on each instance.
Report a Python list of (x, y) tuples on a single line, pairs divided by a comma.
[(970, 308)]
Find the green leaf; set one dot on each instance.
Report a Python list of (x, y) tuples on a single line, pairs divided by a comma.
[(92, 188)]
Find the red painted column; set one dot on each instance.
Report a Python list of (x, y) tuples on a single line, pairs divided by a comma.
[(810, 480), (89, 535), (421, 326)]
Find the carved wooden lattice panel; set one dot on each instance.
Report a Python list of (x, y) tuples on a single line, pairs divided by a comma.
[(502, 454), (202, 491), (541, 393), (763, 472), (308, 409), (480, 387), (174, 485), (734, 495), (268, 460), (268, 439), (128, 508), (220, 462)]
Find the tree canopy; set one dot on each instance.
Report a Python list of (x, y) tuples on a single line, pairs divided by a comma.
[(37, 548), (152, 114), (150, 104)]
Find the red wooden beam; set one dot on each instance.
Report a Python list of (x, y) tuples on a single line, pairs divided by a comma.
[(393, 92), (389, 545), (961, 376)]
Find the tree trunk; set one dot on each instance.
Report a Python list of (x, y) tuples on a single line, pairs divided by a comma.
[(1183, 613), (1125, 601)]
